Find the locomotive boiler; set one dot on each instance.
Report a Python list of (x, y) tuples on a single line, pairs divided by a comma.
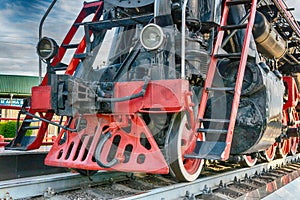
[(184, 82)]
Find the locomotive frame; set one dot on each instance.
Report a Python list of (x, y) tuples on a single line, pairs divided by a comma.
[(225, 88)]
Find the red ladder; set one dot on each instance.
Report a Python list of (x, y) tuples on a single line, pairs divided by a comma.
[(220, 150), (25, 143)]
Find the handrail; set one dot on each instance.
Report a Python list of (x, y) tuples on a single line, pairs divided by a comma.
[(183, 39), (40, 35), (5, 141)]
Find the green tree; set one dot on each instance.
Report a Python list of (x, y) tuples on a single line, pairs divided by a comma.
[(8, 129)]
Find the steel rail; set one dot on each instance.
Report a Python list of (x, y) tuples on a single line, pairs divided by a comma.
[(198, 187), (50, 184), (54, 183)]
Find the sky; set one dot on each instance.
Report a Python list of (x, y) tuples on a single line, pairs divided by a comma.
[(19, 22)]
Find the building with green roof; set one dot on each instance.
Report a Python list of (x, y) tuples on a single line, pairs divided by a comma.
[(19, 86), (13, 88)]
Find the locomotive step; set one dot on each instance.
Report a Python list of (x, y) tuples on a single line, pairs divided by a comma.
[(80, 55), (226, 89), (70, 46), (215, 120), (233, 27), (27, 140), (60, 67), (237, 2), (217, 131), (31, 120), (30, 127), (229, 55), (207, 150)]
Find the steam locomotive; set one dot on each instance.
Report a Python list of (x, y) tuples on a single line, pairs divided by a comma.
[(184, 82)]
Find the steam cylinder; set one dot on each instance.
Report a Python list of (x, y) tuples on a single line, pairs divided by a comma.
[(268, 41), (259, 116)]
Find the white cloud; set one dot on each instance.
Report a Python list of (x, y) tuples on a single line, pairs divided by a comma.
[(19, 31)]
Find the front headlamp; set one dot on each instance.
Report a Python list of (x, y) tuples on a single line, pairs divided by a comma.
[(152, 37), (47, 48)]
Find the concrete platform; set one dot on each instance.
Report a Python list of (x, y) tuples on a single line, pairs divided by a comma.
[(289, 191), (20, 164)]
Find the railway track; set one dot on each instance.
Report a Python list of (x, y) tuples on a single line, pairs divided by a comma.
[(48, 185), (216, 182)]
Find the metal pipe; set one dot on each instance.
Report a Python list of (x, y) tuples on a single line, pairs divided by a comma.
[(282, 7), (268, 40), (40, 35), (161, 8), (127, 98), (98, 152), (183, 39), (293, 58), (287, 60)]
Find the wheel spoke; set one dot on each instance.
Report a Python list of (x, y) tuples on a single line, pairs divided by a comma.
[(248, 161), (294, 145), (283, 149), (269, 154)]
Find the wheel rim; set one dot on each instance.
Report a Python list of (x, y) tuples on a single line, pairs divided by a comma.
[(269, 154), (294, 145), (248, 161), (283, 148), (180, 141)]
